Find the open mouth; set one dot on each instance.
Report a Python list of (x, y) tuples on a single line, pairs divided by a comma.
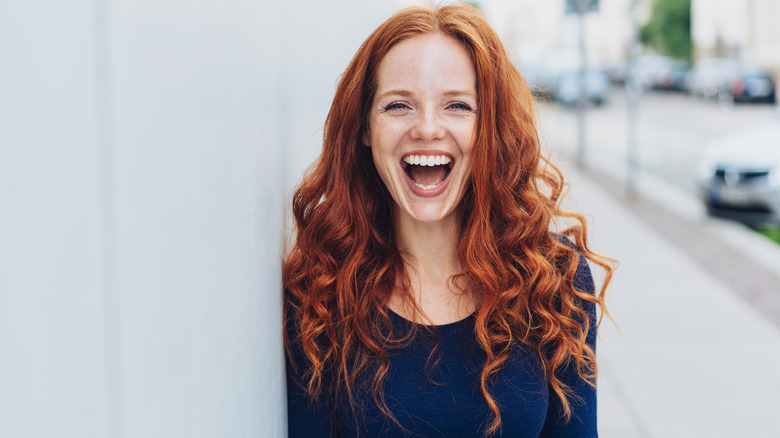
[(427, 171)]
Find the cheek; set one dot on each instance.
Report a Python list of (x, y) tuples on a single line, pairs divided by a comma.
[(385, 141), (467, 170), (390, 133), (467, 149), (382, 163), (467, 135)]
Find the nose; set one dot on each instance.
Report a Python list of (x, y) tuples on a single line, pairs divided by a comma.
[(428, 126)]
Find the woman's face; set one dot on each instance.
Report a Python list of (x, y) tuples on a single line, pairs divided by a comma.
[(421, 125)]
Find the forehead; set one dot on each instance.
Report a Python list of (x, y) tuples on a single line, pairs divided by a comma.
[(429, 61)]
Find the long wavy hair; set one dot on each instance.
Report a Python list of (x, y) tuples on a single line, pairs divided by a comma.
[(344, 264)]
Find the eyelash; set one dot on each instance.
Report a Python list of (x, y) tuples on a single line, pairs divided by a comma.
[(395, 106), (457, 106), (461, 106)]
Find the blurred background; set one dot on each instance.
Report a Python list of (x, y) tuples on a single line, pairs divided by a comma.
[(148, 150)]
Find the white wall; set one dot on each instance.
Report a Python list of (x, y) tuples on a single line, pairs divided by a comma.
[(147, 148), (53, 362)]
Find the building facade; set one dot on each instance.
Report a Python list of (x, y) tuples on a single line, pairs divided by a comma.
[(539, 31), (744, 29)]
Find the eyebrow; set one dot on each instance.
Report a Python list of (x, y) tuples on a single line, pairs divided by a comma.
[(407, 93), (460, 93), (404, 93)]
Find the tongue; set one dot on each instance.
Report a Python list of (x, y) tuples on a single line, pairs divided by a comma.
[(427, 175)]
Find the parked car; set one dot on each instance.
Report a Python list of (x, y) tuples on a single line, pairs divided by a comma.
[(708, 76), (740, 178), (661, 73), (567, 87), (748, 84), (672, 76), (617, 72)]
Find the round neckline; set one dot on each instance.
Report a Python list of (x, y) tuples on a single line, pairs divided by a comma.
[(437, 326)]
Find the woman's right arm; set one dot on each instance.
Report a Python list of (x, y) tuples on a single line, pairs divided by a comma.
[(306, 418)]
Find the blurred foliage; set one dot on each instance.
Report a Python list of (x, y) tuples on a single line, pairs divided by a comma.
[(771, 232), (668, 30)]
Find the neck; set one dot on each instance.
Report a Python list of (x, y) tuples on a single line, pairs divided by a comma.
[(430, 251)]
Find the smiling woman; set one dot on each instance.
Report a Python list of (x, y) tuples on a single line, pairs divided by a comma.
[(425, 294), (425, 106)]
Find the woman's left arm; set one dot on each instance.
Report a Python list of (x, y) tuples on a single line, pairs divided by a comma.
[(583, 403)]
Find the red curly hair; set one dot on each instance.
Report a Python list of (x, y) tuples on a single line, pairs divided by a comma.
[(345, 264)]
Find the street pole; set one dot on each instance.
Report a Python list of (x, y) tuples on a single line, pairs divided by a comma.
[(633, 92), (582, 6)]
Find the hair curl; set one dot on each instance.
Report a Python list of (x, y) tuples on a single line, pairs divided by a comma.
[(344, 264)]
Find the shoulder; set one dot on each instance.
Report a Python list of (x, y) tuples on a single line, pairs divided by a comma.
[(582, 288), (583, 278)]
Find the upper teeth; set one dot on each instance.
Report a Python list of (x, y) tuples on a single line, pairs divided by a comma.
[(427, 160)]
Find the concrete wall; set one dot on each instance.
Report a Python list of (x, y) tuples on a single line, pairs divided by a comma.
[(147, 150)]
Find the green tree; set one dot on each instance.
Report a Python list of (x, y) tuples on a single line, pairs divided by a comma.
[(669, 29)]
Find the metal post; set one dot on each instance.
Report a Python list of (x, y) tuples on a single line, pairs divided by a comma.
[(633, 92), (582, 6)]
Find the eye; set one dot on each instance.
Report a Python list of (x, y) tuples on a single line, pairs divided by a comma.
[(395, 106), (460, 106)]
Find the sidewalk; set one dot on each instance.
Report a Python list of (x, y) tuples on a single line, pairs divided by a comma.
[(692, 359)]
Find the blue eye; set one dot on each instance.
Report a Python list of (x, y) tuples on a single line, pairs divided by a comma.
[(395, 106), (460, 106)]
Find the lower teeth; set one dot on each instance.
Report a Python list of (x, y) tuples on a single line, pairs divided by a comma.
[(430, 187)]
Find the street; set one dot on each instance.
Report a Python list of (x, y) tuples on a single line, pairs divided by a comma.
[(673, 131)]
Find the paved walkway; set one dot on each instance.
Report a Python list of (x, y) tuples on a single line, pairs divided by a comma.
[(691, 358)]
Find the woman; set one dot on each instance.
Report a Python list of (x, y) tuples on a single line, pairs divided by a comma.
[(425, 294)]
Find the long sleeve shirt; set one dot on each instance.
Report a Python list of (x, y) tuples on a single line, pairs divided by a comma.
[(441, 397)]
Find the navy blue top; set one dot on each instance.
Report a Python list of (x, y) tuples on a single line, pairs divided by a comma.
[(443, 399)]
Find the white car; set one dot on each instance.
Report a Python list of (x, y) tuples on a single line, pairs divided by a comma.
[(740, 178)]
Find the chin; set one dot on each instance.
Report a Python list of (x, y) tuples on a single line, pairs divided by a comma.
[(429, 215), (427, 209)]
